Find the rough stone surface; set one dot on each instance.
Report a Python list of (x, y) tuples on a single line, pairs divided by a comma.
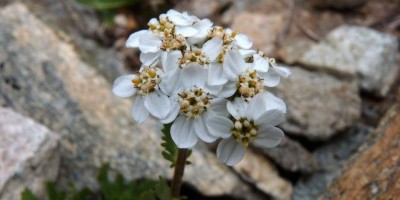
[(262, 29), (318, 105), (291, 156), (43, 76), (29, 155), (357, 52), (337, 4), (292, 50), (373, 173), (331, 157), (264, 176)]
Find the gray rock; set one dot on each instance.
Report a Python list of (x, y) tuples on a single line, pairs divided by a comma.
[(43, 76), (263, 174), (29, 155), (332, 158), (337, 4), (358, 52), (319, 105), (291, 156)]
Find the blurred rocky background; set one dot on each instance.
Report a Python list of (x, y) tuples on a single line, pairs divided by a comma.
[(60, 122)]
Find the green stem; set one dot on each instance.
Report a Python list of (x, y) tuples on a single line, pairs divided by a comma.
[(178, 173)]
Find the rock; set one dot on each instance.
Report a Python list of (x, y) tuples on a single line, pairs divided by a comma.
[(291, 156), (292, 50), (357, 52), (28, 155), (318, 105), (264, 176), (373, 173), (43, 76), (331, 157), (202, 8), (262, 29), (337, 4)]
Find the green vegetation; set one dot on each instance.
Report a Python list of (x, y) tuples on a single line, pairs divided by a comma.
[(117, 189)]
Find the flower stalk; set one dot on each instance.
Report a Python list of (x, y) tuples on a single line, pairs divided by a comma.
[(178, 173)]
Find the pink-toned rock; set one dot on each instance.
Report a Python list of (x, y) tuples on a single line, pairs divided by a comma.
[(29, 155), (262, 29)]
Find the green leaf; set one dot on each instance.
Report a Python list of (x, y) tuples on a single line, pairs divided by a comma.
[(55, 194), (28, 195), (107, 4), (170, 151)]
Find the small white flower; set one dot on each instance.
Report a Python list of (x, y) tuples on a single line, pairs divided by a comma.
[(194, 104), (149, 98), (175, 62), (248, 122), (268, 69)]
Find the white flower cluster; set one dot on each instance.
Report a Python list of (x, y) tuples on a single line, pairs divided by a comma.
[(207, 81)]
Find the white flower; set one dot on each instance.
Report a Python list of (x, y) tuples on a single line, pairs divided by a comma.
[(174, 62), (249, 122), (268, 69), (149, 98), (194, 104)]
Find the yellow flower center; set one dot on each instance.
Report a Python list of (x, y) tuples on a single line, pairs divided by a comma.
[(244, 131), (249, 84), (194, 102), (146, 80), (193, 56)]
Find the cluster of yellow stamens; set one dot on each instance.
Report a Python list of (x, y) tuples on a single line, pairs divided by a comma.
[(173, 42), (193, 102), (249, 84), (244, 131), (163, 27), (146, 80), (220, 32), (193, 56)]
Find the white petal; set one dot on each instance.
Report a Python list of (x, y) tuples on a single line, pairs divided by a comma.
[(149, 59), (172, 114), (179, 18), (193, 75), (216, 75), (271, 78), (203, 27), (171, 84), (219, 126), (149, 43), (256, 107), (218, 106), (247, 52), (269, 137), (201, 130), (271, 118), (158, 104), (139, 112), (212, 48), (133, 40), (170, 60), (228, 90), (182, 133), (123, 86), (234, 63), (243, 41), (273, 102), (237, 108), (283, 71), (230, 152), (185, 31), (213, 89), (260, 63)]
